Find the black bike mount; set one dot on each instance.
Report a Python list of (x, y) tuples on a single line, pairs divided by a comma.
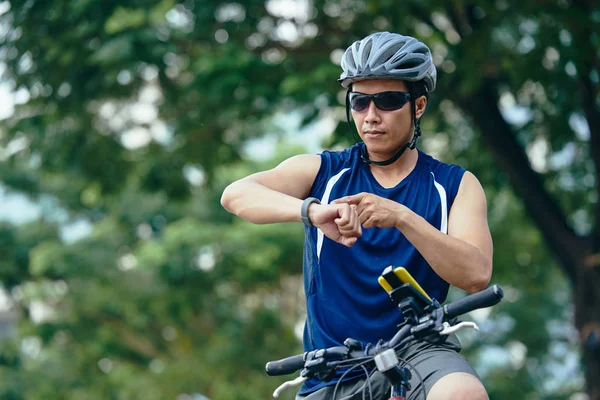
[(429, 328), (411, 303), (411, 299)]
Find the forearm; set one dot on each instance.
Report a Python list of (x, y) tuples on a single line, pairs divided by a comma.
[(258, 204), (457, 262)]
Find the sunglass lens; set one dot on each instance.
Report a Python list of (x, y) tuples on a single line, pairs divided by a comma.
[(389, 101), (359, 102)]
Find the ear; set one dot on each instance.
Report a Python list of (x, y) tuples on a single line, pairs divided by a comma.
[(421, 105)]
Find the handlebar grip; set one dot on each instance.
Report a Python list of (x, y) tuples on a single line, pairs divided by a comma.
[(485, 298), (285, 366)]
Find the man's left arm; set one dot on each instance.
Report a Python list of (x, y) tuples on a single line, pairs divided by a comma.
[(463, 257)]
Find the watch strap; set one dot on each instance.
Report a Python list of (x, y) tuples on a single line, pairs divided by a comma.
[(304, 210)]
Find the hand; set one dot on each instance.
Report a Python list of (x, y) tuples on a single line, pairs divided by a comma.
[(374, 210), (338, 222)]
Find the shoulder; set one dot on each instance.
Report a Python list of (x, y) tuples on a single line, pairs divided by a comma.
[(438, 167), (448, 176), (348, 155), (333, 161), (301, 160), (471, 186), (299, 165), (334, 164)]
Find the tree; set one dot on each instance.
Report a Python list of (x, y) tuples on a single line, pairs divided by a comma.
[(132, 117)]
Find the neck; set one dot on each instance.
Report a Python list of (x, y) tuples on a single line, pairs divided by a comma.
[(406, 162)]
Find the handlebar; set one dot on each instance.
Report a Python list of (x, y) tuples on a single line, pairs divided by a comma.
[(286, 366), (483, 299)]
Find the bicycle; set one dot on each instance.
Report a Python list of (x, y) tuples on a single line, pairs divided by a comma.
[(424, 319)]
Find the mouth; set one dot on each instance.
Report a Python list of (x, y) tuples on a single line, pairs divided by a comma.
[(373, 134)]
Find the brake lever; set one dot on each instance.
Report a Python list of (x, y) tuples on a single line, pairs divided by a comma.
[(286, 385), (450, 329)]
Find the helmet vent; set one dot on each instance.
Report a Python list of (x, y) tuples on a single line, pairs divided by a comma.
[(349, 60), (367, 50), (410, 64), (390, 51)]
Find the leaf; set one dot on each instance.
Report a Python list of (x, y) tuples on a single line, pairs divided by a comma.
[(125, 18), (116, 49), (47, 258)]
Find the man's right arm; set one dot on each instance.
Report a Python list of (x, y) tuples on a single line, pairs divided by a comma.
[(275, 195)]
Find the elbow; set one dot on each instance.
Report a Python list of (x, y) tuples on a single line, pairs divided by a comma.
[(228, 197), (477, 285), (480, 280)]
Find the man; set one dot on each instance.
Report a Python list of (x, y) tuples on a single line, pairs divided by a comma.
[(379, 203)]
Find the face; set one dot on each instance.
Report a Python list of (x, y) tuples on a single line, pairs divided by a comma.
[(384, 132)]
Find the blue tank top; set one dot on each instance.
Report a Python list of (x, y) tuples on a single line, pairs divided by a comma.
[(343, 296)]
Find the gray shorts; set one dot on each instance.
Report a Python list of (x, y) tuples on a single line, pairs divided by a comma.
[(431, 361)]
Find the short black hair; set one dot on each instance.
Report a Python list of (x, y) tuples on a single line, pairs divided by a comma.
[(417, 89)]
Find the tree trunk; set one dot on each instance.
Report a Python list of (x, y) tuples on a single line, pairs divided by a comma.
[(578, 257), (586, 297)]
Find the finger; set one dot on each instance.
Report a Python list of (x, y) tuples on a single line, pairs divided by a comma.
[(353, 215), (362, 207), (347, 241), (350, 231), (355, 220), (359, 228), (353, 199), (344, 215), (341, 200), (347, 215), (363, 217), (369, 223), (352, 227)]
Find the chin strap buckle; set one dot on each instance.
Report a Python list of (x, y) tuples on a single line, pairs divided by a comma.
[(416, 136)]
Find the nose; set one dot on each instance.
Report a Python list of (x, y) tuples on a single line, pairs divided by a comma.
[(372, 116)]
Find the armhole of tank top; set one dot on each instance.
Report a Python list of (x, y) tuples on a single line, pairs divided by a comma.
[(318, 186)]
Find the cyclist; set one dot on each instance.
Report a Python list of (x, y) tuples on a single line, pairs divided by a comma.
[(378, 203)]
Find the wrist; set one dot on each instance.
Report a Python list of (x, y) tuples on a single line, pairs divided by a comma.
[(402, 217), (313, 209), (305, 215)]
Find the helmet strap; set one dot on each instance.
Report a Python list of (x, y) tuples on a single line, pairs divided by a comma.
[(365, 155)]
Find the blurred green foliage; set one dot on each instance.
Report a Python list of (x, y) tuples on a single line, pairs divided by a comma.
[(133, 116)]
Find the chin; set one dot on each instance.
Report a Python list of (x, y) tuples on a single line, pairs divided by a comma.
[(378, 146), (382, 152)]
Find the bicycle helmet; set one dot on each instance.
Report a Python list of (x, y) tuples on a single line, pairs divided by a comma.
[(385, 55), (388, 55)]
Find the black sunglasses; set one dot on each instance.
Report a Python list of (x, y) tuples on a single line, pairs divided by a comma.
[(385, 101)]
